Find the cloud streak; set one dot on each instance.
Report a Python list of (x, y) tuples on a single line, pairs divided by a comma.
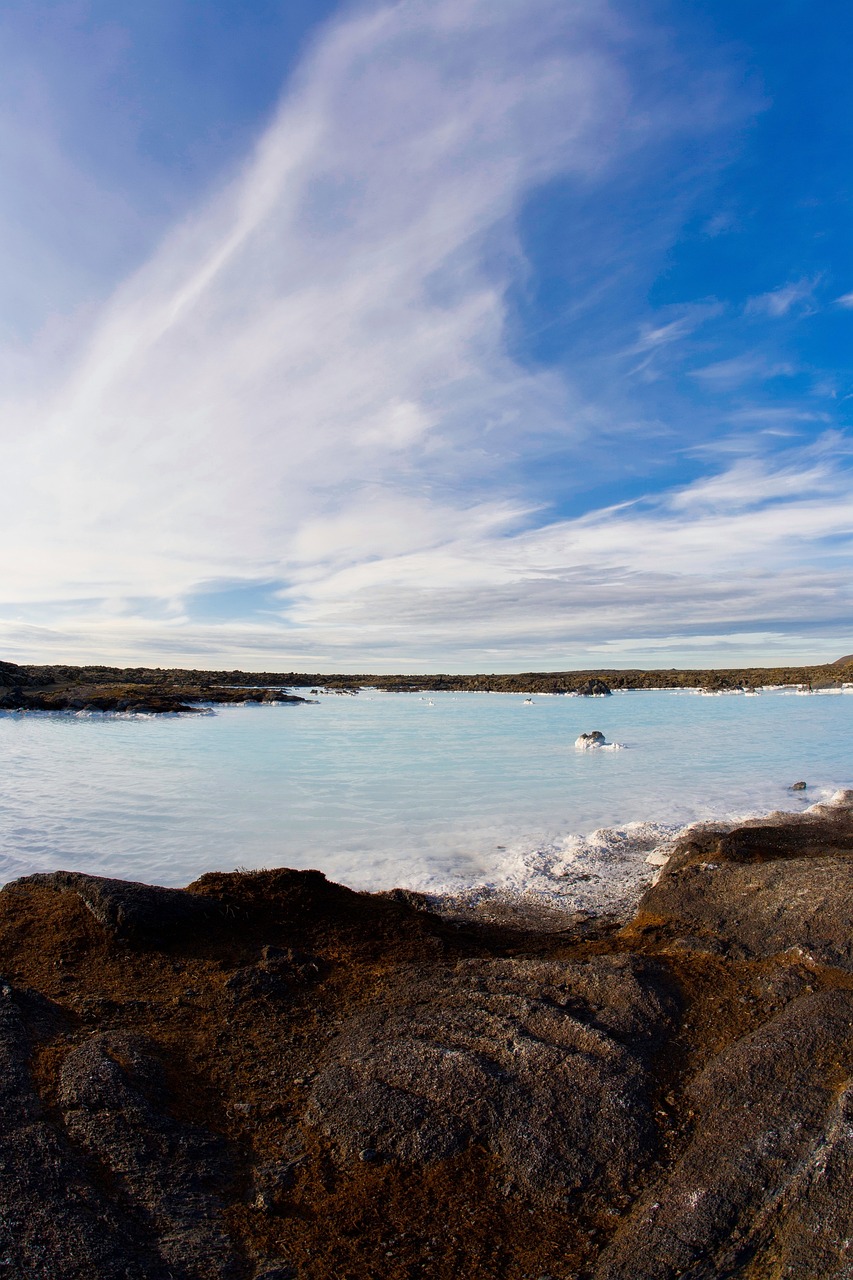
[(330, 320), (309, 386)]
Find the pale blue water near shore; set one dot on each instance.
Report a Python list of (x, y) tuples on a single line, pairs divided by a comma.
[(446, 792)]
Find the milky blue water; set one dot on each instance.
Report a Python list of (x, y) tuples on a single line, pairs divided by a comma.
[(391, 789)]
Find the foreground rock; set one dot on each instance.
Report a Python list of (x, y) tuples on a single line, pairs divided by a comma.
[(268, 1075)]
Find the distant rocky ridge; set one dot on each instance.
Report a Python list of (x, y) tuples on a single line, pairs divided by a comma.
[(269, 1077), (154, 689)]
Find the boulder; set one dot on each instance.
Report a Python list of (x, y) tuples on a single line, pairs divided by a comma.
[(764, 888), (587, 740), (594, 689)]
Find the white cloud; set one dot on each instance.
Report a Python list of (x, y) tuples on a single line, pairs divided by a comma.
[(740, 369), (778, 302), (758, 548), (329, 320)]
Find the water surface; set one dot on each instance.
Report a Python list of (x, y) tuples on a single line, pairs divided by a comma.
[(377, 790)]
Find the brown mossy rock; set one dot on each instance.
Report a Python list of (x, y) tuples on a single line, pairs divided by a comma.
[(307, 909), (762, 889), (129, 912), (14, 677), (270, 1075)]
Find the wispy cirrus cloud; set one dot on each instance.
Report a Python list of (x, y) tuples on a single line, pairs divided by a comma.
[(737, 370), (333, 318), (779, 302)]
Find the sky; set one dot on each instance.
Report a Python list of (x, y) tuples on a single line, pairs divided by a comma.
[(426, 335)]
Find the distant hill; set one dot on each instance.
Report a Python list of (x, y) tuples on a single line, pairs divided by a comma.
[(844, 662)]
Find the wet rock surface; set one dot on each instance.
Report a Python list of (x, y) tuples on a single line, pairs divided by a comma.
[(270, 1077)]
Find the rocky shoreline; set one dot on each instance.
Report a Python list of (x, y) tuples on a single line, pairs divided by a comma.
[(153, 690), (80, 690), (269, 1076)]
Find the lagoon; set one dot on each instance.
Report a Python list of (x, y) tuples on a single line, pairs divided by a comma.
[(442, 793)]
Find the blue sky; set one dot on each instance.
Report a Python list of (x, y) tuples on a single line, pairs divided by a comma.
[(426, 336)]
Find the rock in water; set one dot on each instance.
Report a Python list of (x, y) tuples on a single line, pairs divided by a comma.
[(594, 689), (594, 739)]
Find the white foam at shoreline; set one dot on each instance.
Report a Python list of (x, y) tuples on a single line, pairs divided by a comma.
[(604, 873)]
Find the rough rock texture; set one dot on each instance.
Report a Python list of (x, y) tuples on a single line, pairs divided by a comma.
[(542, 1064), (270, 1077), (765, 888), (165, 1175), (132, 700), (15, 677), (131, 912), (241, 685), (594, 689), (772, 1112)]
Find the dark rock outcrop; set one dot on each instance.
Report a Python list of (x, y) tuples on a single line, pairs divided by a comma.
[(764, 889), (594, 689), (143, 914), (111, 1187), (543, 1064), (167, 1176), (271, 1077), (772, 1118), (15, 677)]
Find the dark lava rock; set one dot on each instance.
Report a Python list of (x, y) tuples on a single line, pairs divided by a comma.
[(113, 1188), (768, 1170), (130, 912), (765, 888), (544, 1064), (167, 1175), (334, 1084), (275, 976), (14, 677), (594, 689), (54, 1222)]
